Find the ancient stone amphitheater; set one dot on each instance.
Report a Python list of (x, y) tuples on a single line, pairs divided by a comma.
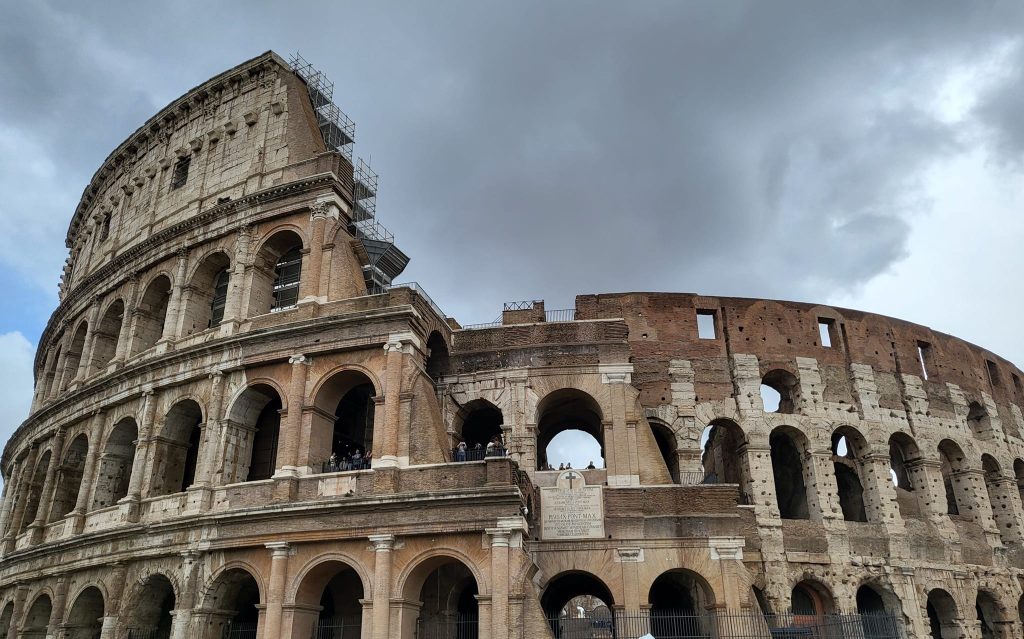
[(242, 428)]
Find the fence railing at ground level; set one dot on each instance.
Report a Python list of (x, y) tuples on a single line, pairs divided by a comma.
[(464, 626), (669, 624), (330, 628), (477, 454), (148, 633), (240, 630)]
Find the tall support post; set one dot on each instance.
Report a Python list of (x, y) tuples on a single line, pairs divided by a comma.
[(112, 608), (10, 496), (24, 486), (382, 546), (617, 450), (310, 284), (46, 500), (386, 453), (20, 595), (77, 515), (174, 304), (59, 603), (124, 335), (499, 581), (236, 282), (139, 467), (87, 348), (211, 433), (182, 615), (292, 428), (279, 553)]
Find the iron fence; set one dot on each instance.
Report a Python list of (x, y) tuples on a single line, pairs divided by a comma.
[(148, 633), (477, 454), (464, 626), (671, 624), (340, 465), (329, 628), (240, 630), (560, 315)]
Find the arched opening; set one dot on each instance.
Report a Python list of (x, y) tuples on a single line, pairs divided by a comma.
[(51, 372), (479, 426), (780, 392), (177, 449), (236, 594), (346, 441), (905, 473), (37, 619), (335, 588), (952, 461), (989, 615), (787, 448), (567, 410), (151, 314), (151, 614), (5, 619), (942, 614), (877, 618), (1020, 610), (85, 621), (115, 467), (678, 599), (722, 457), (1018, 473), (257, 415), (999, 499), (578, 604), (104, 341), (667, 446), (69, 478), (207, 294), (446, 590), (977, 420), (847, 447), (277, 274), (35, 490), (811, 599), (73, 358), (437, 359)]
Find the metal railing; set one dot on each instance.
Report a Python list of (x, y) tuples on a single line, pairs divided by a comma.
[(477, 454), (330, 628), (472, 327), (341, 465), (463, 626), (674, 624), (240, 630), (560, 315), (148, 633)]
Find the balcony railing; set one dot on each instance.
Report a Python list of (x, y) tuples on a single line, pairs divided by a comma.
[(478, 454), (341, 464)]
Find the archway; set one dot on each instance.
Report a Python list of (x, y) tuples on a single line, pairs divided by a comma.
[(104, 341), (35, 490), (576, 604), (999, 499), (151, 614), (952, 460), (151, 315), (904, 470), (878, 618), (343, 423), (1018, 473), (277, 274), (780, 392), (115, 467), (73, 357), (256, 417), (942, 614), (989, 613), (678, 600), (848, 445), (446, 590), (334, 588), (722, 457), (37, 619), (69, 478), (177, 449), (207, 294), (667, 446), (5, 619), (978, 420), (565, 410), (51, 379), (479, 424), (235, 595), (85, 621), (438, 359), (810, 599), (787, 448)]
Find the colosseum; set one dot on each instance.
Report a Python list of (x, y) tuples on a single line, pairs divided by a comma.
[(242, 427)]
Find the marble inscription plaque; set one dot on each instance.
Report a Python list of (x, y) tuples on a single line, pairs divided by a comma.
[(571, 509)]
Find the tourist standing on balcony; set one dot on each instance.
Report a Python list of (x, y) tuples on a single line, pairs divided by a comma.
[(460, 452)]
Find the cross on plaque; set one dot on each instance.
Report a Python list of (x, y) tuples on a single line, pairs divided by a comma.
[(571, 476)]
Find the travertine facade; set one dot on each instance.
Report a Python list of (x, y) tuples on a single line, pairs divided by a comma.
[(216, 341)]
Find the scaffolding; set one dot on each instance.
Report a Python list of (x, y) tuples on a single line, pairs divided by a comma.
[(381, 260)]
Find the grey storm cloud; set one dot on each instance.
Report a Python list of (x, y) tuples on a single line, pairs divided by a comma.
[(547, 149)]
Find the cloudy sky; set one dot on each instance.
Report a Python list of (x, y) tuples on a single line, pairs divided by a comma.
[(866, 155)]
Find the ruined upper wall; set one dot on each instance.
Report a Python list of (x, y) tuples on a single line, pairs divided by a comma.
[(236, 133)]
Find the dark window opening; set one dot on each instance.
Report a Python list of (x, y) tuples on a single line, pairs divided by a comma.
[(191, 457), (264, 442), (286, 280), (437, 360), (105, 227), (180, 174), (788, 471), (706, 325), (220, 297), (924, 356), (826, 331), (1016, 383), (977, 419), (353, 426), (993, 373)]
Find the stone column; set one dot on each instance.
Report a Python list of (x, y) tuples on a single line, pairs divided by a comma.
[(184, 606), (46, 497), (173, 316), (85, 363), (499, 581), (139, 466), (21, 499), (124, 335), (310, 284), (112, 607), (59, 603), (77, 515), (385, 455), (382, 545), (211, 433), (236, 282), (879, 494), (616, 445), (291, 428), (279, 553), (10, 496), (20, 595)]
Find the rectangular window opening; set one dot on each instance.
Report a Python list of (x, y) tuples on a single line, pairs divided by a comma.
[(993, 372), (180, 174), (827, 331), (706, 325), (1016, 383), (924, 355)]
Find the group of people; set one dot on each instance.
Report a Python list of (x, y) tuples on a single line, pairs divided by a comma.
[(494, 448), (354, 460), (567, 466)]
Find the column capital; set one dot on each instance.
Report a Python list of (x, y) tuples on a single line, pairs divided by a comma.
[(319, 210), (278, 548), (500, 537), (299, 359), (616, 373), (382, 543)]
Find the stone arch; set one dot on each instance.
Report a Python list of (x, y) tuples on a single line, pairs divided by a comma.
[(668, 446), (35, 489), (878, 608), (206, 295), (978, 419), (676, 597), (477, 423), (152, 602), (568, 592), (848, 447), (104, 340), (51, 379), (69, 477), (445, 583), (85, 617), (789, 448), (722, 458), (951, 456), (232, 599), (784, 384), (942, 614), (116, 464), (73, 356), (37, 619), (177, 448), (438, 363), (907, 474), (5, 618), (327, 597), (277, 271), (1000, 499), (151, 314), (343, 422), (567, 409), (990, 614), (811, 598), (254, 421)]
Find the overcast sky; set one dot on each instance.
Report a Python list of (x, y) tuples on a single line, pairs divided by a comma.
[(866, 155)]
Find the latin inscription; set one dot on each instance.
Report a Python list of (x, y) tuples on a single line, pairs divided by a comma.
[(572, 510)]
